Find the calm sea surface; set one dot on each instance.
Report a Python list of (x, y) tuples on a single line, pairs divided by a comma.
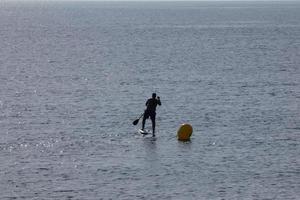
[(73, 77)]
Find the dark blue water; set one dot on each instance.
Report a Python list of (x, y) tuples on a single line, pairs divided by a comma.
[(73, 77)]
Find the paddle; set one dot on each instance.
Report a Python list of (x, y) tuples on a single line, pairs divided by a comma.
[(135, 122)]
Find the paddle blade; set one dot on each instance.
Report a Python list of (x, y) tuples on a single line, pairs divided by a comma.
[(135, 122)]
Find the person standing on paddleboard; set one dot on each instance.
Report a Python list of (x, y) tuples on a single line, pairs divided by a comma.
[(151, 111)]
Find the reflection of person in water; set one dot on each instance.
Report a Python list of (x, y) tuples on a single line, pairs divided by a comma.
[(150, 111)]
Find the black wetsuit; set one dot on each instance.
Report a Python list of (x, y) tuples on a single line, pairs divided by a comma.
[(151, 111)]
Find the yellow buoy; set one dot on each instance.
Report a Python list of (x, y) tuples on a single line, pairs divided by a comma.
[(184, 132)]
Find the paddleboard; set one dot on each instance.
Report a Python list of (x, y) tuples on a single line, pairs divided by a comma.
[(144, 132)]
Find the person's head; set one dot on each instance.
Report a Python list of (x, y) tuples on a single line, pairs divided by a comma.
[(153, 95)]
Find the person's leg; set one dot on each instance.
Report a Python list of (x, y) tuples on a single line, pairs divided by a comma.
[(144, 120), (153, 124), (143, 123)]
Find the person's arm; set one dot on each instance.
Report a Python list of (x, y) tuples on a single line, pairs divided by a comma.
[(147, 102), (158, 101)]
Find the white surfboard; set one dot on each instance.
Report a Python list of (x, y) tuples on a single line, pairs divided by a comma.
[(144, 132)]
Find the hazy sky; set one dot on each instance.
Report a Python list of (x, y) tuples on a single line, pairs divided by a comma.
[(156, 0), (170, 0)]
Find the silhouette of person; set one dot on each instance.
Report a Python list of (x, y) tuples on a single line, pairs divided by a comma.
[(151, 111)]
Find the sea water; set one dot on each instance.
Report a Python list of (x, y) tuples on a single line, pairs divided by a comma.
[(74, 75)]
